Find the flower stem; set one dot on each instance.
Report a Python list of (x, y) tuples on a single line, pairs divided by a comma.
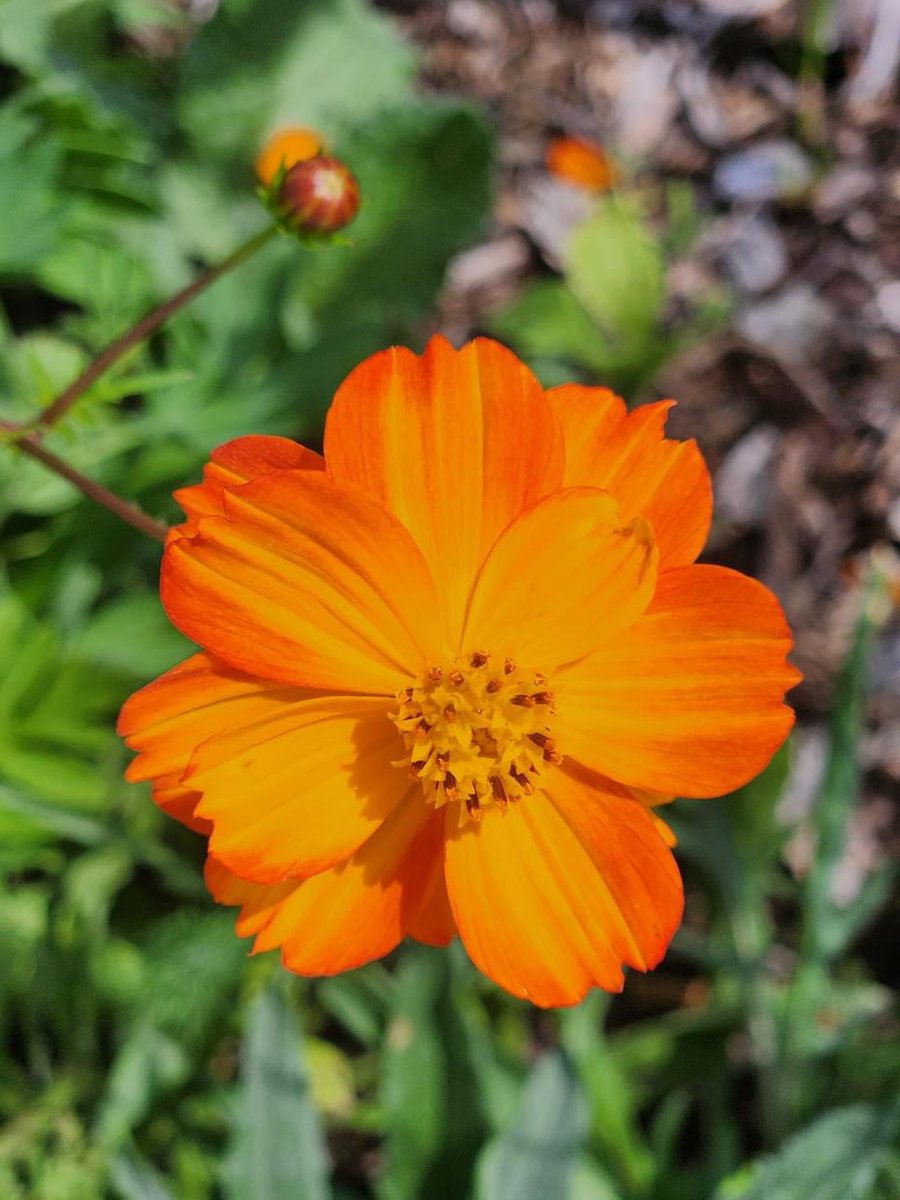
[(145, 326), (27, 435), (129, 513)]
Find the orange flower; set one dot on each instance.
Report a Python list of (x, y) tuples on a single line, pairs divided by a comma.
[(447, 670), (583, 163), (284, 149)]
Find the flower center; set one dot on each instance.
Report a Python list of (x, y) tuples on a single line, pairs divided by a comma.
[(477, 732)]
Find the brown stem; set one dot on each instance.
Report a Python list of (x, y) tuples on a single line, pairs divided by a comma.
[(144, 327), (29, 442), (129, 513)]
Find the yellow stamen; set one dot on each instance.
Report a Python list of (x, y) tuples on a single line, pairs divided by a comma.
[(475, 739)]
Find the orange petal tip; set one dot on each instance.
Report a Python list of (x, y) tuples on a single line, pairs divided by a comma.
[(284, 149), (582, 162)]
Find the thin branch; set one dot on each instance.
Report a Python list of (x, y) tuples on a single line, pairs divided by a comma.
[(129, 513), (144, 327), (27, 435)]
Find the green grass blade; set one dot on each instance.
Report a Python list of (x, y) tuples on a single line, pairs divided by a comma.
[(278, 1149), (536, 1157)]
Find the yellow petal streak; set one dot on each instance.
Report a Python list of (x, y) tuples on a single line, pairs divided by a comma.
[(563, 579)]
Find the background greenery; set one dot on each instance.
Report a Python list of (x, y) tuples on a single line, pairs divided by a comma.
[(145, 1056)]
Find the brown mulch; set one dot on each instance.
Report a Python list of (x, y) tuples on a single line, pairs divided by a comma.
[(795, 401)]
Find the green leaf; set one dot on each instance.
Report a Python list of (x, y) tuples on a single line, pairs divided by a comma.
[(825, 923), (259, 66), (38, 366), (536, 1158), (131, 1178), (828, 925), (605, 315), (33, 212), (149, 1065), (546, 321), (23, 926), (735, 841), (613, 1111), (91, 884), (54, 716), (132, 634), (24, 30), (615, 268), (590, 1183), (836, 1158), (358, 1000), (277, 1150), (194, 962), (434, 1116), (423, 172)]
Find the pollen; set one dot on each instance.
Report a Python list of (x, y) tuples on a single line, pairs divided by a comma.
[(478, 731)]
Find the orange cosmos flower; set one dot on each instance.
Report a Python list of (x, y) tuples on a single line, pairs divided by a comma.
[(447, 670), (583, 163), (284, 149)]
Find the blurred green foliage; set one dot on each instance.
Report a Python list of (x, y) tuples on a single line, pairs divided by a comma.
[(604, 317), (145, 1056)]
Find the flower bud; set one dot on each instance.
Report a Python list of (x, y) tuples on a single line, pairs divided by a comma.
[(582, 163), (320, 195), (285, 148)]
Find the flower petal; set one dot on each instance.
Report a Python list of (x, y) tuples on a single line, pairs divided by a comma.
[(192, 701), (688, 701), (298, 791), (306, 581), (168, 718), (665, 831), (430, 920), (353, 913), (179, 802), (455, 443), (554, 895), (650, 475), (562, 580), (234, 463), (623, 839)]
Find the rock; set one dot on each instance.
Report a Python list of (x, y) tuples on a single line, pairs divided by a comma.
[(704, 112), (841, 190), (878, 67), (861, 226), (743, 9), (809, 751), (754, 253), (887, 299), (647, 104), (719, 111), (472, 21), (201, 11), (794, 325), (489, 263), (549, 210), (743, 481), (775, 169)]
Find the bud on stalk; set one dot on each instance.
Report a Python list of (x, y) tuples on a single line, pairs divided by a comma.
[(318, 196)]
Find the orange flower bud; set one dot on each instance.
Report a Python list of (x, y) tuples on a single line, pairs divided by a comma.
[(320, 195), (582, 163), (285, 148)]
